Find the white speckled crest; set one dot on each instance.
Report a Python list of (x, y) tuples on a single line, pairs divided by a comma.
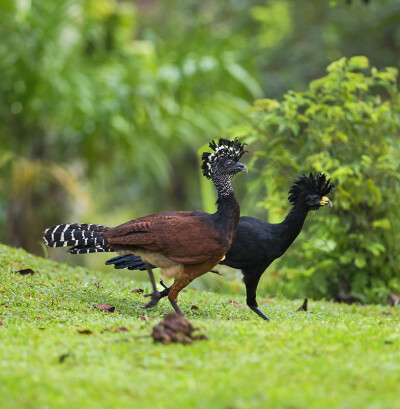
[(224, 149)]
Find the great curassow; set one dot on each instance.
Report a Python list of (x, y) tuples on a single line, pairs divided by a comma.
[(185, 245), (258, 243)]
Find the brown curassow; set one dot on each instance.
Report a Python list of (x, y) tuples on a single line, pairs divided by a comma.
[(258, 243), (185, 245)]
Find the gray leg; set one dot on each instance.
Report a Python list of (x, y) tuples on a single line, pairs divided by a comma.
[(176, 307), (155, 296)]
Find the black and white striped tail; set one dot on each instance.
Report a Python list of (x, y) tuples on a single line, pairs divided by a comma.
[(84, 238)]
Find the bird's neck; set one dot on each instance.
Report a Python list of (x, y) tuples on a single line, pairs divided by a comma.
[(228, 210), (293, 223)]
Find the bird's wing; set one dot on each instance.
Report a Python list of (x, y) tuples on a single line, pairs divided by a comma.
[(185, 237)]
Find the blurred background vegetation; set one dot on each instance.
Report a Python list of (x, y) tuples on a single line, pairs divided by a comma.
[(105, 105)]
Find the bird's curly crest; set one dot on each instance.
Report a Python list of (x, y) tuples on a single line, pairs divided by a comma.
[(307, 185), (223, 149)]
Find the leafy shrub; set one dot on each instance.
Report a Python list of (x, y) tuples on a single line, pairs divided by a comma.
[(345, 124)]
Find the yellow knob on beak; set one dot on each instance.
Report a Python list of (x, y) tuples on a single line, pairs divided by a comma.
[(325, 201)]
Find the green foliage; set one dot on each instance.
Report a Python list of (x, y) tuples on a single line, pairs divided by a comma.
[(298, 39), (113, 105), (346, 125)]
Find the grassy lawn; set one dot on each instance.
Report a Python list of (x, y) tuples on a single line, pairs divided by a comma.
[(333, 356)]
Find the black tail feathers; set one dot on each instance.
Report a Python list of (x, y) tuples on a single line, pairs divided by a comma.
[(83, 237), (129, 261)]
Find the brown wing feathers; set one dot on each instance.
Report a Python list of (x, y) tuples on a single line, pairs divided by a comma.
[(180, 237)]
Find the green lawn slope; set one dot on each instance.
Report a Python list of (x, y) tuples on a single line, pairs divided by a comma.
[(333, 356)]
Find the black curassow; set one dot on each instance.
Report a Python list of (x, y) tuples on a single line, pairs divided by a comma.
[(258, 243), (185, 245)]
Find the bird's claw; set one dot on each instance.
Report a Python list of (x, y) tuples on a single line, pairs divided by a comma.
[(163, 284), (155, 298)]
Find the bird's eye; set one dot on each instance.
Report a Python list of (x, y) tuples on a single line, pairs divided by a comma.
[(229, 163)]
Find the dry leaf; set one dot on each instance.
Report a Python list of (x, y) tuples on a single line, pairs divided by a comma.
[(137, 290), (194, 307), (303, 306), (85, 331), (63, 357), (115, 329), (98, 285), (1, 323), (266, 300), (235, 303), (104, 307), (145, 318), (26, 271), (175, 328)]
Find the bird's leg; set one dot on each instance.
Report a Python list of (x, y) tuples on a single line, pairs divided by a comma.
[(149, 269), (176, 307), (251, 282), (155, 295), (181, 281)]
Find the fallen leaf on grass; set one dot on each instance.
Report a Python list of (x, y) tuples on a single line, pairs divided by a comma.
[(266, 300), (235, 303), (62, 358), (1, 323), (175, 328), (145, 318), (194, 307), (26, 271), (137, 290), (98, 285), (85, 331), (304, 305), (115, 329), (104, 307)]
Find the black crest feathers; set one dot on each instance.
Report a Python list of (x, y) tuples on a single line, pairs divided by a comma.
[(308, 185), (223, 149)]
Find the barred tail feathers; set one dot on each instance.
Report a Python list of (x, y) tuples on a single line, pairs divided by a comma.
[(82, 237)]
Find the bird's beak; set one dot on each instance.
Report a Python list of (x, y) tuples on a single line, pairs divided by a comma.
[(239, 167), (325, 201)]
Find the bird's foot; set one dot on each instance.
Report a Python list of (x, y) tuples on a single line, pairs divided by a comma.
[(155, 298), (259, 312)]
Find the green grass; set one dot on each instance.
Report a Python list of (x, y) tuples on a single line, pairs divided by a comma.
[(334, 356)]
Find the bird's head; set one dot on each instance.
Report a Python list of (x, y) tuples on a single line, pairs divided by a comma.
[(224, 161), (311, 191)]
